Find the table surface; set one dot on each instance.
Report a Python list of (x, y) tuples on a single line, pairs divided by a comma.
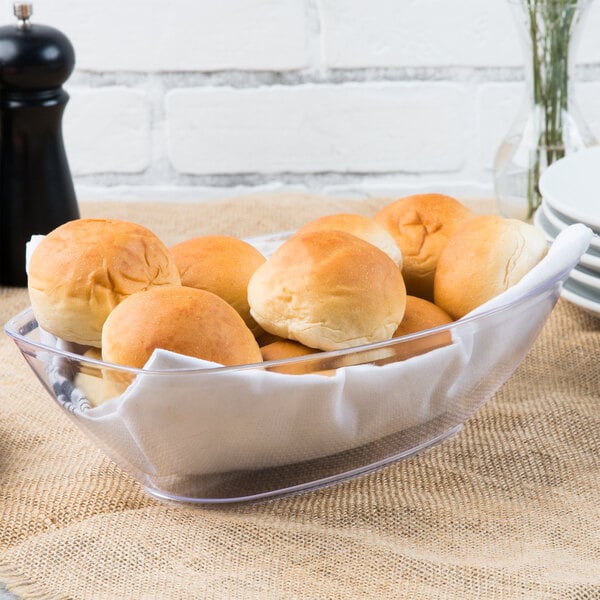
[(508, 508)]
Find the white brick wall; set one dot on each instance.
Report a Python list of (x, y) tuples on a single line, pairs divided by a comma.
[(108, 130), (428, 33), (197, 100), (357, 128), (182, 35)]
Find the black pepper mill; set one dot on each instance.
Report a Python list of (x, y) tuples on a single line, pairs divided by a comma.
[(36, 188)]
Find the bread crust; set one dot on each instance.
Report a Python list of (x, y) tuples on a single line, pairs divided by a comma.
[(365, 228), (328, 290), (180, 319), (83, 269), (421, 225), (222, 265), (484, 258)]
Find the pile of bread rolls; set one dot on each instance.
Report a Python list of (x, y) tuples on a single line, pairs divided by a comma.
[(340, 281)]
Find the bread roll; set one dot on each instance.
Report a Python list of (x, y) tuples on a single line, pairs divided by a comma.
[(83, 269), (421, 225), (363, 227), (222, 265), (484, 258), (285, 349), (288, 349), (180, 319), (421, 315), (328, 290)]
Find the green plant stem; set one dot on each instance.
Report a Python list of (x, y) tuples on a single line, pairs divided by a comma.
[(550, 29)]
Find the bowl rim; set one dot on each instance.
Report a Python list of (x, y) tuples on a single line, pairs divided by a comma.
[(11, 329)]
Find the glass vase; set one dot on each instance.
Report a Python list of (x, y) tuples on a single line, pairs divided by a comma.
[(548, 125)]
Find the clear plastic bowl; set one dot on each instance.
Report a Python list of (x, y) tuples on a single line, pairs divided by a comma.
[(207, 434)]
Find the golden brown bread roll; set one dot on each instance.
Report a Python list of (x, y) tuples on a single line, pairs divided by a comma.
[(180, 319), (421, 315), (484, 258), (288, 349), (285, 349), (363, 227), (421, 225), (83, 269), (328, 290), (222, 265)]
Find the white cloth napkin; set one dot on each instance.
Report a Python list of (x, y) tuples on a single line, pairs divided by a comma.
[(251, 419)]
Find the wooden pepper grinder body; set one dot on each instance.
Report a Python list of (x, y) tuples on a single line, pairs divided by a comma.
[(36, 188)]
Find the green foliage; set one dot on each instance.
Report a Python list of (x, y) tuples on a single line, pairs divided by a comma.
[(551, 24)]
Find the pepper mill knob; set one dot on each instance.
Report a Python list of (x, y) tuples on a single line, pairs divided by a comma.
[(23, 12), (33, 56)]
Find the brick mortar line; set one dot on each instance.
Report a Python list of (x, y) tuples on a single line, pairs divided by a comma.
[(251, 79), (310, 180)]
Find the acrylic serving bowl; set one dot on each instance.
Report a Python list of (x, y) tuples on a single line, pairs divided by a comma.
[(193, 431)]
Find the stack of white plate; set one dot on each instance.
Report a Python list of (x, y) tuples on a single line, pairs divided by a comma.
[(570, 190)]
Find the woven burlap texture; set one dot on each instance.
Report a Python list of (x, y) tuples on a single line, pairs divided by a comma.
[(508, 508)]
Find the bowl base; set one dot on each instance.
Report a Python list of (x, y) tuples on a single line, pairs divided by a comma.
[(165, 496)]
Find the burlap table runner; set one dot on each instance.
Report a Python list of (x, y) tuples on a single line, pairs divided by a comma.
[(508, 508)]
